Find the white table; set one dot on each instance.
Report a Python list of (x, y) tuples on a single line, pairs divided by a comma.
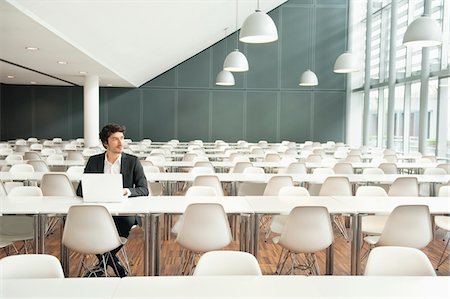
[(66, 288), (283, 287)]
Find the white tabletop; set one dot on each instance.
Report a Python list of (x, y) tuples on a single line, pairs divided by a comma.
[(283, 287), (67, 288)]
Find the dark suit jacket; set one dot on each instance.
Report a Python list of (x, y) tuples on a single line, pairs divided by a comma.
[(131, 169)]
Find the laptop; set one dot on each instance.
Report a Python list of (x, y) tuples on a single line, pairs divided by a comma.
[(101, 187)]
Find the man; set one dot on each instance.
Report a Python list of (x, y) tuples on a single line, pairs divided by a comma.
[(134, 181)]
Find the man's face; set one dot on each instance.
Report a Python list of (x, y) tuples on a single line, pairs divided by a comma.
[(115, 143)]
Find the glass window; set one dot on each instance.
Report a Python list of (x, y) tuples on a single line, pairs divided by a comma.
[(432, 117), (414, 118), (373, 118), (399, 117)]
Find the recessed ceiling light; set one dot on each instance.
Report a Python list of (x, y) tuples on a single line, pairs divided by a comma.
[(32, 48), (82, 72), (32, 82), (10, 77), (62, 62), (109, 84)]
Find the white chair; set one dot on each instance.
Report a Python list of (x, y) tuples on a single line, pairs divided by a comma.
[(388, 168), (227, 262), (201, 170), (352, 159), (408, 226), (154, 188), (426, 189), (443, 222), (39, 165), (36, 147), (314, 188), (90, 230), (18, 228), (275, 183), (372, 224), (56, 184), (279, 221), (30, 266), (193, 191), (209, 180), (404, 186), (400, 261), (253, 169), (337, 186), (272, 158), (75, 156), (14, 158), (343, 168), (445, 166), (205, 228), (16, 168), (47, 151), (249, 188), (240, 166), (308, 230), (314, 159), (294, 167), (55, 158), (31, 156)]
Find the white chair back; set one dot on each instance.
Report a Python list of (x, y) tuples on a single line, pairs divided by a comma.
[(56, 184), (30, 266), (205, 228), (409, 226), (25, 191), (370, 191), (400, 261), (308, 229), (209, 180), (227, 263), (90, 229), (336, 186), (276, 183), (404, 186)]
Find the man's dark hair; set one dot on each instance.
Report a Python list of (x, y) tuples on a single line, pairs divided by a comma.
[(108, 130)]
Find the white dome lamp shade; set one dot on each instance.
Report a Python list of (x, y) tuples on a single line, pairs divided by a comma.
[(258, 28), (308, 78), (225, 78), (423, 32), (346, 63), (235, 62)]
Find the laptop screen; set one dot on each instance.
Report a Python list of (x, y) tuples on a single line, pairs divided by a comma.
[(100, 187)]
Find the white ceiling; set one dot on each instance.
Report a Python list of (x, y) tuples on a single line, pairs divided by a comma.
[(125, 42)]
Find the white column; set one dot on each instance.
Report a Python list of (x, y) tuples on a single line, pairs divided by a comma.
[(392, 77), (366, 112), (91, 111)]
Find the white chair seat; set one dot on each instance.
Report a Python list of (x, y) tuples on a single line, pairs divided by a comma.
[(373, 224), (442, 222), (372, 240)]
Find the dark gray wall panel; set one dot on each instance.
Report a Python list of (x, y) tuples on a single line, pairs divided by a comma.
[(263, 62), (296, 44), (195, 71), (295, 116), (159, 114), (124, 107), (52, 111), (17, 112), (228, 115), (76, 113), (330, 28), (261, 116), (185, 103), (193, 115), (329, 108)]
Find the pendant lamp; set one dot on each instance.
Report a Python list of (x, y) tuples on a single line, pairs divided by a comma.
[(308, 78), (225, 78), (236, 60), (423, 32), (258, 28), (346, 63)]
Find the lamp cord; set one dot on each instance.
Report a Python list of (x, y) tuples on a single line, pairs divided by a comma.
[(237, 39)]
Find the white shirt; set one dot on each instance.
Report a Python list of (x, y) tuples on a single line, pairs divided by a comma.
[(114, 168)]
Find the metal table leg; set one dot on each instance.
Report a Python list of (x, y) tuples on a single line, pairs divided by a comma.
[(356, 244)]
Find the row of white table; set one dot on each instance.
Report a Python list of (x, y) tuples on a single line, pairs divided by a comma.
[(222, 287), (249, 208)]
